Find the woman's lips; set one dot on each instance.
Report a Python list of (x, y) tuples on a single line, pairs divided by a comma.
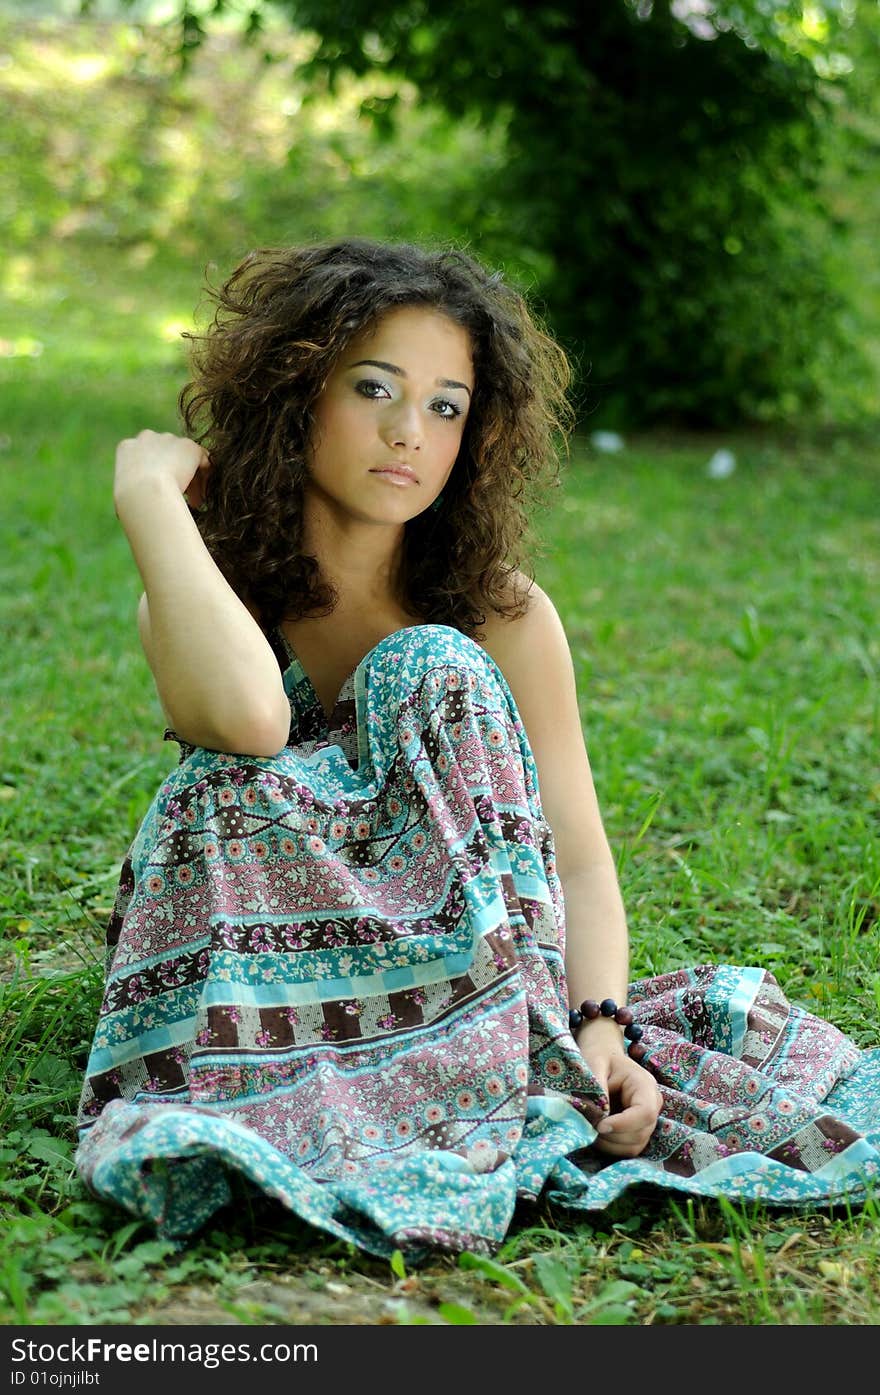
[(396, 474)]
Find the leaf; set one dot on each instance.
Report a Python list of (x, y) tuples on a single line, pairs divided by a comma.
[(492, 1270), (752, 638), (153, 1251), (612, 1305), (457, 1314), (513, 1308), (51, 1070), (398, 1267), (54, 1150), (120, 1238), (614, 1315), (617, 1291), (555, 1280)]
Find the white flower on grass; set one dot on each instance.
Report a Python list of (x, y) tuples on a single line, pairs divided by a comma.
[(608, 442), (721, 465)]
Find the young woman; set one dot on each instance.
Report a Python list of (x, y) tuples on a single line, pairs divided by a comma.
[(369, 954)]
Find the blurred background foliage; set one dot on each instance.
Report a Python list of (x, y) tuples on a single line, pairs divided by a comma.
[(688, 190)]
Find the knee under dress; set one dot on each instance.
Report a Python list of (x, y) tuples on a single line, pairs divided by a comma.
[(338, 973)]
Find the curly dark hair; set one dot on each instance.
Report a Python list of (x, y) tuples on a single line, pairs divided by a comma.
[(281, 321)]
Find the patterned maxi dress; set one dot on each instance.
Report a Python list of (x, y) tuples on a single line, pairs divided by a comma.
[(337, 974)]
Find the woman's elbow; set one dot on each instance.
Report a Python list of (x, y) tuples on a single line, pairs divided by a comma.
[(261, 731)]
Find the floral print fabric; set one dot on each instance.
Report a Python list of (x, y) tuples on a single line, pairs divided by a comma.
[(338, 973)]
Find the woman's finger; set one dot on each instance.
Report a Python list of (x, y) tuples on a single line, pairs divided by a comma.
[(626, 1134), (195, 490)]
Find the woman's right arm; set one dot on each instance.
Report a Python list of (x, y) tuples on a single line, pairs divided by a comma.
[(217, 677)]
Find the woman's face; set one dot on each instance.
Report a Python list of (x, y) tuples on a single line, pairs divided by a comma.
[(390, 418)]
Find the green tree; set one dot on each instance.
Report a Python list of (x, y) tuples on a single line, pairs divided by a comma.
[(661, 183)]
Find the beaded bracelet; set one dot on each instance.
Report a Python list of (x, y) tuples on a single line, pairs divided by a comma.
[(623, 1016)]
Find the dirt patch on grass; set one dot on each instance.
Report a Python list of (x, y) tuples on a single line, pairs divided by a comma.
[(326, 1299)]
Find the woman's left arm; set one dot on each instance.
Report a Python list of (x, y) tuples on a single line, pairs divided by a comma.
[(532, 652)]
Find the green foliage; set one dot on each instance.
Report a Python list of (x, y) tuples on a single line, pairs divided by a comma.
[(665, 183), (661, 189), (725, 644), (109, 146), (682, 195)]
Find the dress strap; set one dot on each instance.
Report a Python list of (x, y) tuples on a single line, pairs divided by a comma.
[(279, 647)]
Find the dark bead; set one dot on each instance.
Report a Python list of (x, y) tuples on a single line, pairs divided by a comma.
[(634, 1032), (574, 1020), (608, 1007), (638, 1052), (623, 1016), (590, 1009)]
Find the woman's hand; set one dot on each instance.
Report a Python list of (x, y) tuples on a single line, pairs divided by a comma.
[(633, 1093), (159, 454)]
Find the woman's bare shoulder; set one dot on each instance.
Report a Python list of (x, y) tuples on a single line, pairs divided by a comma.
[(513, 641)]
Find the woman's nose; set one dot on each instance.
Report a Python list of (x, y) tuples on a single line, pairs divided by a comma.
[(403, 427)]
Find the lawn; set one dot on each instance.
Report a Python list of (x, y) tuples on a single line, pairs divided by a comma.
[(726, 652), (724, 633)]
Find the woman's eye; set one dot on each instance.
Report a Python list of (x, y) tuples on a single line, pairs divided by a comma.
[(377, 391), (369, 387)]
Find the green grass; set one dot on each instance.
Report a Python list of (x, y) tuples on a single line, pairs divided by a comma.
[(725, 642)]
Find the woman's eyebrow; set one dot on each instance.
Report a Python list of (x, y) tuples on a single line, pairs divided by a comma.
[(401, 373)]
